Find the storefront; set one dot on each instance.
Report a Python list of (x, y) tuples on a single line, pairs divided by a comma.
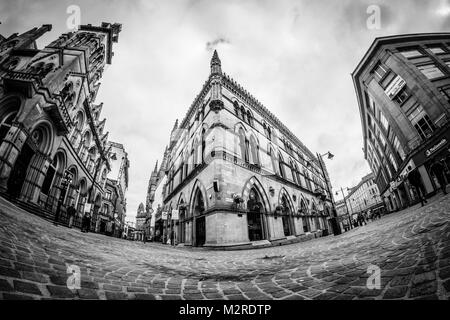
[(437, 149)]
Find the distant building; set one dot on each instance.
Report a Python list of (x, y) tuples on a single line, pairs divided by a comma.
[(403, 90), (364, 197), (116, 187), (141, 219)]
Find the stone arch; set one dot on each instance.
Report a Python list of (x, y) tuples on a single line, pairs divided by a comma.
[(198, 185), (282, 193), (253, 182), (9, 110), (42, 134)]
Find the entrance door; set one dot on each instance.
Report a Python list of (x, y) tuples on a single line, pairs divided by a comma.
[(286, 225), (255, 232), (200, 231), (18, 174)]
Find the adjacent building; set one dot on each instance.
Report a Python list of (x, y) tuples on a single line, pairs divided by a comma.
[(141, 218), (53, 146), (403, 90), (114, 203), (363, 197), (236, 175)]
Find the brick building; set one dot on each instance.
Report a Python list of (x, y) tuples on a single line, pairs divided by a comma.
[(403, 91), (52, 141), (236, 175)]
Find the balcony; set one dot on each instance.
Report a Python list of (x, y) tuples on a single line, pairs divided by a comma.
[(22, 82)]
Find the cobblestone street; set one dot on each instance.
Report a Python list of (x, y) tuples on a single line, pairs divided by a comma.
[(411, 247)]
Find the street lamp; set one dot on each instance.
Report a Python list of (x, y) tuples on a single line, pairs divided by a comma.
[(348, 212), (65, 182), (335, 225)]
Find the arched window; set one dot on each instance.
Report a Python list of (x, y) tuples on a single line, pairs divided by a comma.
[(250, 117), (243, 114), (281, 165), (6, 123), (272, 158), (243, 143), (203, 145), (254, 148), (236, 109), (294, 174), (49, 176)]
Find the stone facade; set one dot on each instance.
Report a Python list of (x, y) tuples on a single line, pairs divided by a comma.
[(50, 127), (403, 90), (236, 175)]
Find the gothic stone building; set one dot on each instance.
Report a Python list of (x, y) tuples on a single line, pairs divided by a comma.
[(50, 127), (237, 175)]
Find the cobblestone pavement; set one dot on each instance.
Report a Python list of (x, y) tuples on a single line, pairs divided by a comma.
[(412, 249)]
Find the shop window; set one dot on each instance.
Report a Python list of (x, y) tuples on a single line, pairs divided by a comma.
[(431, 71), (421, 121)]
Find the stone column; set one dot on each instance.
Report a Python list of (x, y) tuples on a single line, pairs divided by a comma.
[(35, 177), (9, 151)]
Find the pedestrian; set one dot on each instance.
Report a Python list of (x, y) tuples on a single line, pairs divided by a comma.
[(71, 211), (172, 236), (88, 222), (144, 239), (438, 169), (416, 181)]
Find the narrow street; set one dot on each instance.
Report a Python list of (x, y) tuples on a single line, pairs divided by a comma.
[(412, 249)]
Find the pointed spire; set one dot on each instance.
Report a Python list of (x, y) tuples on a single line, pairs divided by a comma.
[(156, 167), (175, 125), (216, 64)]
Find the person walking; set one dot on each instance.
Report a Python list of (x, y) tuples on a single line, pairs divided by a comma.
[(71, 211), (416, 181), (438, 169)]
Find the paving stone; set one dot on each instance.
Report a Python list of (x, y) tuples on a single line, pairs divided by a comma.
[(26, 287), (396, 292), (423, 289), (60, 292), (5, 286)]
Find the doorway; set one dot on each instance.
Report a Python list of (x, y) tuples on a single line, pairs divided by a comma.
[(200, 231), (254, 217), (18, 174)]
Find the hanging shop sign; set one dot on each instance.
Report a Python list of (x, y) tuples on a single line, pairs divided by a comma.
[(175, 215), (164, 215)]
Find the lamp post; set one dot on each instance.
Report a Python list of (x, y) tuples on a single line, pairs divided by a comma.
[(335, 225), (348, 212), (65, 182)]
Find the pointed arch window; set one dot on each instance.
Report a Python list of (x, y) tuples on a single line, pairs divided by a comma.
[(281, 165), (243, 114), (294, 174), (254, 148), (243, 142), (236, 109), (250, 118)]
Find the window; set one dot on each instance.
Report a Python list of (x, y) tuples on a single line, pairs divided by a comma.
[(393, 162), (384, 122), (380, 71), (431, 71), (447, 63), (411, 53), (445, 91), (398, 148), (421, 121), (402, 96), (437, 50)]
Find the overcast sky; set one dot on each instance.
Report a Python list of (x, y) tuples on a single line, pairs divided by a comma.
[(294, 56)]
